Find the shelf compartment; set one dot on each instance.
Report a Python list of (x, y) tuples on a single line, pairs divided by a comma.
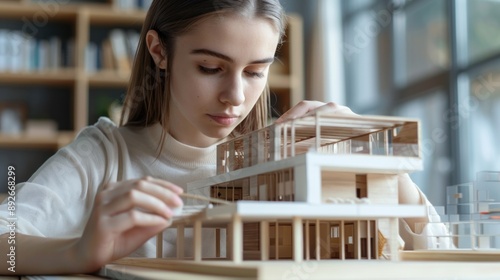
[(109, 78), (23, 140), (14, 10), (116, 17), (46, 77)]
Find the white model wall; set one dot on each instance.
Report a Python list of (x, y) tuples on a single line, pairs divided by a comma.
[(382, 188), (338, 185)]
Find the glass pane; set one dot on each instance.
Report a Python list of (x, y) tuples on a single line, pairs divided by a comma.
[(429, 109), (367, 54), (483, 111), (427, 50), (352, 6), (483, 25)]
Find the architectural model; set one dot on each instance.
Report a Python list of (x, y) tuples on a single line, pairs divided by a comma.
[(473, 213), (319, 187), (472, 219)]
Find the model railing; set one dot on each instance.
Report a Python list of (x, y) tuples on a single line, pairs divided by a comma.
[(322, 133)]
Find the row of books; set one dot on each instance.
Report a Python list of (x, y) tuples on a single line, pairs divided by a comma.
[(133, 4), (20, 52), (117, 52)]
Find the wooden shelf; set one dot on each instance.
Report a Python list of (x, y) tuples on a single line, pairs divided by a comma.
[(23, 140), (108, 78), (52, 78), (113, 16), (15, 10), (89, 18)]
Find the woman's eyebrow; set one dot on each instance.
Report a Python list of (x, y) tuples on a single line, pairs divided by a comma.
[(227, 58)]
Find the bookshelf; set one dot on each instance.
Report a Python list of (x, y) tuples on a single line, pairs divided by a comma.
[(83, 22)]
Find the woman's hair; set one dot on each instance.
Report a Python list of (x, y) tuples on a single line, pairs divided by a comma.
[(148, 94)]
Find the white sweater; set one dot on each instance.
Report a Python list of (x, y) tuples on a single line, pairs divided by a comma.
[(57, 200)]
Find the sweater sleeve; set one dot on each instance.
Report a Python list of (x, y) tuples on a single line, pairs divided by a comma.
[(57, 200), (433, 235)]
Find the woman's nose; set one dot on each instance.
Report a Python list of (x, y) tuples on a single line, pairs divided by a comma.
[(233, 92)]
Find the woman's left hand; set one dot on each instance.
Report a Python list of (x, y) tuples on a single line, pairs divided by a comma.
[(308, 107)]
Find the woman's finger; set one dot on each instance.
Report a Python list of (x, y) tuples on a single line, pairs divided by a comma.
[(332, 108), (176, 189), (160, 189), (137, 199), (135, 218), (298, 110), (163, 190)]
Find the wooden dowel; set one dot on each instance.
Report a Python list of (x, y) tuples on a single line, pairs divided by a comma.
[(204, 198)]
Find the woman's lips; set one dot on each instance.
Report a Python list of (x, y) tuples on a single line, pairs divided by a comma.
[(224, 120)]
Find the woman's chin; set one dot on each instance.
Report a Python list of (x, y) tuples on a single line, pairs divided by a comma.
[(219, 133)]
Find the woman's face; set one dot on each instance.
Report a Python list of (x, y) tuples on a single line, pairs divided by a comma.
[(219, 71)]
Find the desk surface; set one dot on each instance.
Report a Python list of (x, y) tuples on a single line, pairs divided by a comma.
[(327, 269), (138, 269)]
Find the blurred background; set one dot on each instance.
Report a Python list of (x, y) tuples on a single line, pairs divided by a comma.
[(63, 64), (435, 60)]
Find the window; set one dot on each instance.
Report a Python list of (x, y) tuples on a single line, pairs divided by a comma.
[(481, 108), (436, 60), (434, 141)]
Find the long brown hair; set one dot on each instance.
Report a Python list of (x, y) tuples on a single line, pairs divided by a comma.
[(148, 96)]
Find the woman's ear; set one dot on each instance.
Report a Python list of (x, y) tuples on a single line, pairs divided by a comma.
[(155, 49)]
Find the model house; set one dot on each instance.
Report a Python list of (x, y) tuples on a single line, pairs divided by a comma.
[(322, 186), (473, 212)]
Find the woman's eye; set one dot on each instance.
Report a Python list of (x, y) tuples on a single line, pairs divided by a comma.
[(208, 70), (255, 74)]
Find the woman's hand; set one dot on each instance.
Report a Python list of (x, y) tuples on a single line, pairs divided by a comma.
[(125, 215), (408, 193), (307, 107)]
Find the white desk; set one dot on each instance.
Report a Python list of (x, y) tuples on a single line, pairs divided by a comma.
[(327, 269)]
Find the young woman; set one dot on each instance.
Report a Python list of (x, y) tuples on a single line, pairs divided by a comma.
[(199, 77)]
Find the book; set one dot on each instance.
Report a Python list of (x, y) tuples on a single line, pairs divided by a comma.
[(133, 38), (107, 60), (54, 53), (119, 47), (4, 50), (91, 57), (16, 41), (43, 55), (29, 53)]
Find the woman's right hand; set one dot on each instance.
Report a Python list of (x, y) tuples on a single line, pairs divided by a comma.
[(124, 216)]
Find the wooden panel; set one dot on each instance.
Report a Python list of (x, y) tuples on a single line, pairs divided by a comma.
[(349, 239), (251, 237), (361, 185), (338, 185), (226, 193), (165, 269), (109, 78), (55, 12), (54, 142), (112, 17), (199, 268), (63, 77), (452, 255), (407, 134), (284, 241), (382, 188)]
